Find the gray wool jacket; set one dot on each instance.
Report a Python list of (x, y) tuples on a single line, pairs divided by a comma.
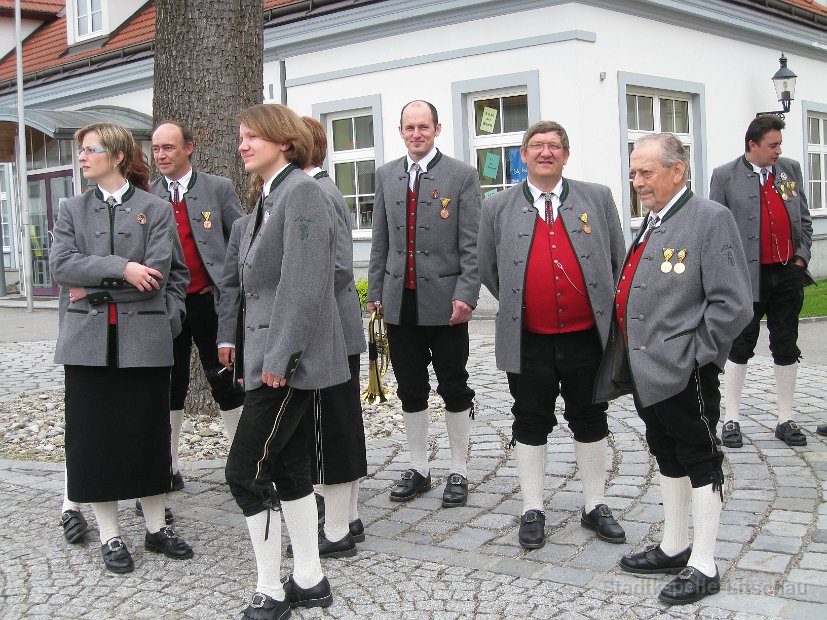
[(91, 250), (506, 234), (213, 198), (347, 299), (676, 321), (446, 248), (286, 272), (736, 186)]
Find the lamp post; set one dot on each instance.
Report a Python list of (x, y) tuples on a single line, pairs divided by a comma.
[(784, 83)]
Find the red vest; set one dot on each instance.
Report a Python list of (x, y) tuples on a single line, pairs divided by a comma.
[(199, 278), (625, 285), (410, 265), (555, 299), (776, 232)]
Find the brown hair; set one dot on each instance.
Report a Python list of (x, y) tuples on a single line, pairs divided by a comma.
[(115, 139), (139, 172), (186, 132), (278, 123), (546, 127), (760, 127), (316, 130)]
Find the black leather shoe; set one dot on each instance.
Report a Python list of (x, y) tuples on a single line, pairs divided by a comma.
[(344, 548), (263, 607), (168, 518), (601, 521), (116, 556), (456, 491), (317, 596), (532, 529), (166, 541), (731, 435), (357, 530), (690, 586), (821, 429), (410, 485), (75, 526), (790, 434), (320, 507), (653, 560), (177, 481)]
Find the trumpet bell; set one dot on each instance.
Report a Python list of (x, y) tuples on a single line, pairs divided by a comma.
[(379, 360)]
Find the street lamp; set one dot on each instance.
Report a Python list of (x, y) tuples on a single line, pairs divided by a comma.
[(784, 83)]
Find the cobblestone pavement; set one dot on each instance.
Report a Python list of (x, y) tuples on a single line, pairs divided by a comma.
[(422, 561)]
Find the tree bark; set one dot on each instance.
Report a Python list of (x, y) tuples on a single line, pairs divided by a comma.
[(208, 67)]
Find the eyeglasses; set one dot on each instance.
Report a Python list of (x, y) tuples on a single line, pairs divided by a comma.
[(88, 150), (539, 147)]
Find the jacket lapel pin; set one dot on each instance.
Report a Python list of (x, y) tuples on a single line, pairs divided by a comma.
[(141, 219), (444, 212), (207, 222)]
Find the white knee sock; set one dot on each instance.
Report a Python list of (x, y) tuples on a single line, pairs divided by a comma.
[(676, 496), (459, 430), (531, 465), (153, 507), (706, 517), (267, 552), (336, 511), (106, 514), (785, 385), (416, 430), (734, 377), (353, 513), (67, 503), (230, 419), (301, 517), (176, 420), (591, 464)]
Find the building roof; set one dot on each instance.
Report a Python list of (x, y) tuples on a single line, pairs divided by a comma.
[(46, 54)]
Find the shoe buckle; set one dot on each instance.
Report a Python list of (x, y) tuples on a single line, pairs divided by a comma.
[(454, 479), (408, 474), (115, 544), (258, 601), (792, 425), (686, 573)]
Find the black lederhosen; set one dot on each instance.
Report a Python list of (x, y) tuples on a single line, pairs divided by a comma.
[(782, 295), (557, 365), (413, 347), (681, 430), (201, 326)]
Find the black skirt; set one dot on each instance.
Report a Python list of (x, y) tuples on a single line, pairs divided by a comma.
[(117, 433), (339, 448)]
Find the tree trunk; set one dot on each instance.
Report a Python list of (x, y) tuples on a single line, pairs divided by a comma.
[(208, 67)]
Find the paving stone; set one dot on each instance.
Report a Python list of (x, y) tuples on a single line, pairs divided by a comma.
[(764, 561)]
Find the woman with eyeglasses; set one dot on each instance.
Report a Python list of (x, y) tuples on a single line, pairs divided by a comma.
[(111, 257), (292, 346)]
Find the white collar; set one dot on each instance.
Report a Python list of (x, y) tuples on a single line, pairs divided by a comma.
[(662, 213), (183, 182), (423, 163), (312, 173), (265, 189), (117, 194), (537, 193)]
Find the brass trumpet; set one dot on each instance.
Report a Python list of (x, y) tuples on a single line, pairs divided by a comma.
[(379, 359)]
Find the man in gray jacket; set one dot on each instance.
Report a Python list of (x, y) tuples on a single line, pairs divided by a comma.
[(423, 276), (550, 249), (765, 193), (205, 208), (682, 297)]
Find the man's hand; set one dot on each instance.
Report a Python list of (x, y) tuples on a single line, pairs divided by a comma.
[(461, 312), (142, 277), (274, 381), (800, 262), (373, 307), (226, 356), (76, 294)]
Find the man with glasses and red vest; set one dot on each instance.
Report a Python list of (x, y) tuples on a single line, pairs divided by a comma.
[(765, 193), (682, 298), (549, 250), (423, 277), (205, 208)]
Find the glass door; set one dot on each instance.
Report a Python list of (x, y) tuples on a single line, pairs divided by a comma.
[(46, 191)]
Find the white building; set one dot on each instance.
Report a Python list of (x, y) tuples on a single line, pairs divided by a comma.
[(607, 71)]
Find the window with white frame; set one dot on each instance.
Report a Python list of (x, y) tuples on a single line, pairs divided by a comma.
[(89, 16), (352, 163), (648, 112), (499, 122), (5, 211), (817, 160)]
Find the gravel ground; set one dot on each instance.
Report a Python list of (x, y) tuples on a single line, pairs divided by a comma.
[(35, 427)]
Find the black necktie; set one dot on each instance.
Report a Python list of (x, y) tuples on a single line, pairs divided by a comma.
[(112, 204)]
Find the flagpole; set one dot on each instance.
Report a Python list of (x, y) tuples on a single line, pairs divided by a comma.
[(22, 181)]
